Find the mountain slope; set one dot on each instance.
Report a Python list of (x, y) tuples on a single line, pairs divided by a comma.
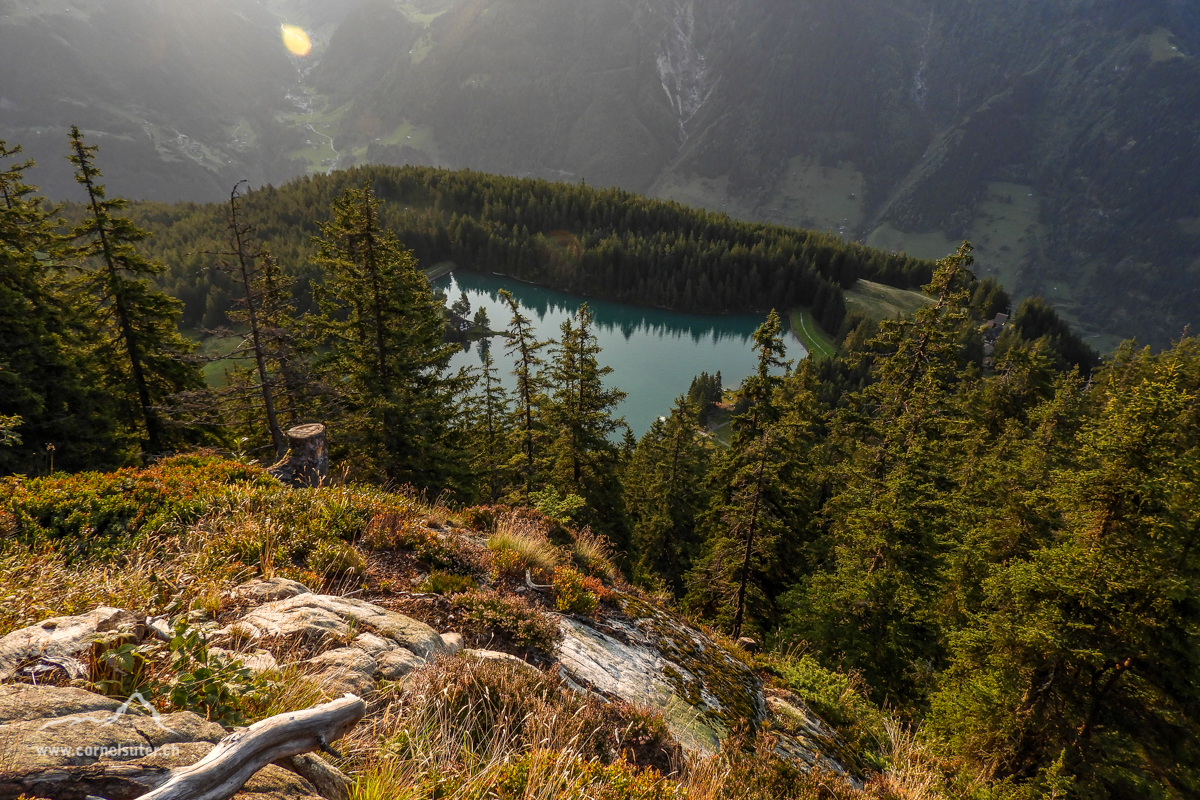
[(1060, 138)]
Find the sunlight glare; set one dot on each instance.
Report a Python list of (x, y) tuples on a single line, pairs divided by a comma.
[(296, 40)]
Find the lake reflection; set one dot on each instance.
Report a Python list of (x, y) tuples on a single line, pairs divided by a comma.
[(654, 353)]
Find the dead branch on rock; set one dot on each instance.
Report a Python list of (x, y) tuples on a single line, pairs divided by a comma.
[(228, 766)]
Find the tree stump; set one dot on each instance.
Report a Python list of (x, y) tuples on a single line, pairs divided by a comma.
[(307, 462)]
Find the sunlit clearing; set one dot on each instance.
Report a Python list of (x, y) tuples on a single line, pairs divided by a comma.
[(296, 40)]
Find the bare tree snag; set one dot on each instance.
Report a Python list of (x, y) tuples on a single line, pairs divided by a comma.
[(307, 461), (228, 766)]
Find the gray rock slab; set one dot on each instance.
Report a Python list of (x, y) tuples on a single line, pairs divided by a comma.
[(60, 637), (317, 616), (266, 591)]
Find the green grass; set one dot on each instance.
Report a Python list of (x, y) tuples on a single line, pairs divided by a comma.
[(877, 301), (1162, 46), (807, 195), (930, 246), (818, 343)]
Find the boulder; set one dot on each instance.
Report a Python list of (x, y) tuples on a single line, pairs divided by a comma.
[(67, 744), (493, 655), (317, 617), (395, 664), (267, 591), (648, 656), (54, 642), (346, 669)]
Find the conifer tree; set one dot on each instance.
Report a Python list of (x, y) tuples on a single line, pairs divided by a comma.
[(1084, 651), (276, 387), (754, 504), (580, 455), (527, 428), (386, 357), (874, 603), (665, 491), (140, 350), (491, 417)]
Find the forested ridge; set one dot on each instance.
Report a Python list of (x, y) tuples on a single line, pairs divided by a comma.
[(985, 533), (604, 243)]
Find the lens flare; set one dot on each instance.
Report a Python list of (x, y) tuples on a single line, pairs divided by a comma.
[(296, 40)]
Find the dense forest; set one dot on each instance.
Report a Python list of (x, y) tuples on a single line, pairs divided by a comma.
[(992, 530), (602, 243)]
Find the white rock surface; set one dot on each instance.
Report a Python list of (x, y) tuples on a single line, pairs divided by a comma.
[(317, 616), (267, 591), (60, 638)]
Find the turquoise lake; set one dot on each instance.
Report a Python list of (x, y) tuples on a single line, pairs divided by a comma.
[(654, 353)]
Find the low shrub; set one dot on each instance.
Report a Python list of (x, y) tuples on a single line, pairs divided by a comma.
[(570, 593), (438, 582), (449, 552), (512, 617), (838, 698), (335, 558)]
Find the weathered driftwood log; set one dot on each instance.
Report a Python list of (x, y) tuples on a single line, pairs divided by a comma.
[(227, 767), (307, 461)]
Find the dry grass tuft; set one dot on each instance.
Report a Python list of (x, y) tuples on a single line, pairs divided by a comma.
[(518, 546)]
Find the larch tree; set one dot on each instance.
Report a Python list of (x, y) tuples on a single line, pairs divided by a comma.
[(140, 349)]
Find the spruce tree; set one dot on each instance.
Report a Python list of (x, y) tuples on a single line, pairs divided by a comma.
[(874, 603), (386, 358), (527, 427), (665, 491), (580, 455)]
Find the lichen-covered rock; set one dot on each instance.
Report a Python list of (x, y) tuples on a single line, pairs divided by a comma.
[(60, 639), (267, 591), (648, 656), (318, 616), (20, 702), (66, 744), (803, 736)]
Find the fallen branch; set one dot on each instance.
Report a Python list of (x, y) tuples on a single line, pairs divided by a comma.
[(227, 767), (537, 587)]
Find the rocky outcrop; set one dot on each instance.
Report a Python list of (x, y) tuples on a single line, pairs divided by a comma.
[(49, 648), (68, 744), (648, 656), (371, 643)]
